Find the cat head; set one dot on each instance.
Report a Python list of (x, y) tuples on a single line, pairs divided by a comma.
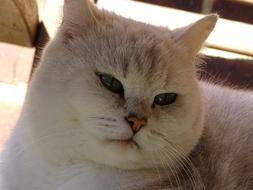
[(119, 92)]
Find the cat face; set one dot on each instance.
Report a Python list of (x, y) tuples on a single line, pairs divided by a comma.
[(127, 91)]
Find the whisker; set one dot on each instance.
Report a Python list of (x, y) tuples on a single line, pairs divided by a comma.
[(157, 171), (184, 161), (103, 118), (177, 164), (107, 125), (153, 159), (195, 170), (168, 166), (182, 167)]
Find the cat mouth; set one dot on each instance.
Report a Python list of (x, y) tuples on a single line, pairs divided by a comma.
[(129, 142)]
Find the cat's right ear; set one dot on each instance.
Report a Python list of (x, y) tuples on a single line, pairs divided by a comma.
[(79, 12), (193, 36)]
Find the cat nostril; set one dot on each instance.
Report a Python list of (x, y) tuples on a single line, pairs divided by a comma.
[(131, 123), (135, 123)]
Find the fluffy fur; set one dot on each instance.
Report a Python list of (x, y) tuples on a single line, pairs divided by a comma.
[(72, 132)]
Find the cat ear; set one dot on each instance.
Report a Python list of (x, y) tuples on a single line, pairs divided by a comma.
[(79, 11), (193, 36)]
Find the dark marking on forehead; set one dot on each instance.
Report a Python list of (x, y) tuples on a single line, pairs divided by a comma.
[(130, 48), (144, 58), (151, 62), (67, 37), (124, 66), (153, 55), (126, 56)]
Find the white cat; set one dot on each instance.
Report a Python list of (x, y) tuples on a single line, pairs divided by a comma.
[(115, 104)]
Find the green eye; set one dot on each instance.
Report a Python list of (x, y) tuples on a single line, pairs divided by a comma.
[(112, 83), (165, 99)]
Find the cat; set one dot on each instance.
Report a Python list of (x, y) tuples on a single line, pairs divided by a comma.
[(116, 104)]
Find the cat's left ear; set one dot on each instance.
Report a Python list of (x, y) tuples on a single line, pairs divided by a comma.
[(193, 36), (79, 12)]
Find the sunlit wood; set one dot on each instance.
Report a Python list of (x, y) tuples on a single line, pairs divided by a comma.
[(18, 21), (247, 2)]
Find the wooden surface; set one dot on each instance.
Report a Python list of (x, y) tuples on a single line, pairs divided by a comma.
[(18, 21), (248, 2), (228, 35), (15, 63)]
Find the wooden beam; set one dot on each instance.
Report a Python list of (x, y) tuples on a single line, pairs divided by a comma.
[(246, 2), (18, 21)]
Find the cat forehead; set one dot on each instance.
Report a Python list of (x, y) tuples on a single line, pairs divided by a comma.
[(127, 44), (108, 40), (123, 47)]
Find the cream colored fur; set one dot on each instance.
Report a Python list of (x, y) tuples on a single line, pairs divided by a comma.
[(61, 144)]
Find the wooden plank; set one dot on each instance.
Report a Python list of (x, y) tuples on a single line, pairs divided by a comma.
[(228, 35), (18, 21), (234, 10), (211, 52), (247, 2)]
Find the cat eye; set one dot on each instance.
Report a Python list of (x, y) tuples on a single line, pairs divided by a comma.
[(165, 99), (111, 83)]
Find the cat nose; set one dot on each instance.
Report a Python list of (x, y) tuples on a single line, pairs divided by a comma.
[(135, 122)]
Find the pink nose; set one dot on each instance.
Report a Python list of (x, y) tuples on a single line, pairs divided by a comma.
[(136, 123)]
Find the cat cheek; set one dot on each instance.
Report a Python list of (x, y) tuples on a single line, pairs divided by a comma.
[(113, 101)]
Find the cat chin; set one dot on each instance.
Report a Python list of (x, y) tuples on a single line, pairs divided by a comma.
[(116, 154), (123, 155), (131, 143)]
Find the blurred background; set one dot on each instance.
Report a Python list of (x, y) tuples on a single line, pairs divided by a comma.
[(27, 25)]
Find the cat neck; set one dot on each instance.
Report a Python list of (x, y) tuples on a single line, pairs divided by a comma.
[(95, 176)]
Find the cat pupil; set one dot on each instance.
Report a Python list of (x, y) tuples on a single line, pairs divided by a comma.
[(111, 83), (165, 99)]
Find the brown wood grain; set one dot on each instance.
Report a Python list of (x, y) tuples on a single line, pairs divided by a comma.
[(18, 21)]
